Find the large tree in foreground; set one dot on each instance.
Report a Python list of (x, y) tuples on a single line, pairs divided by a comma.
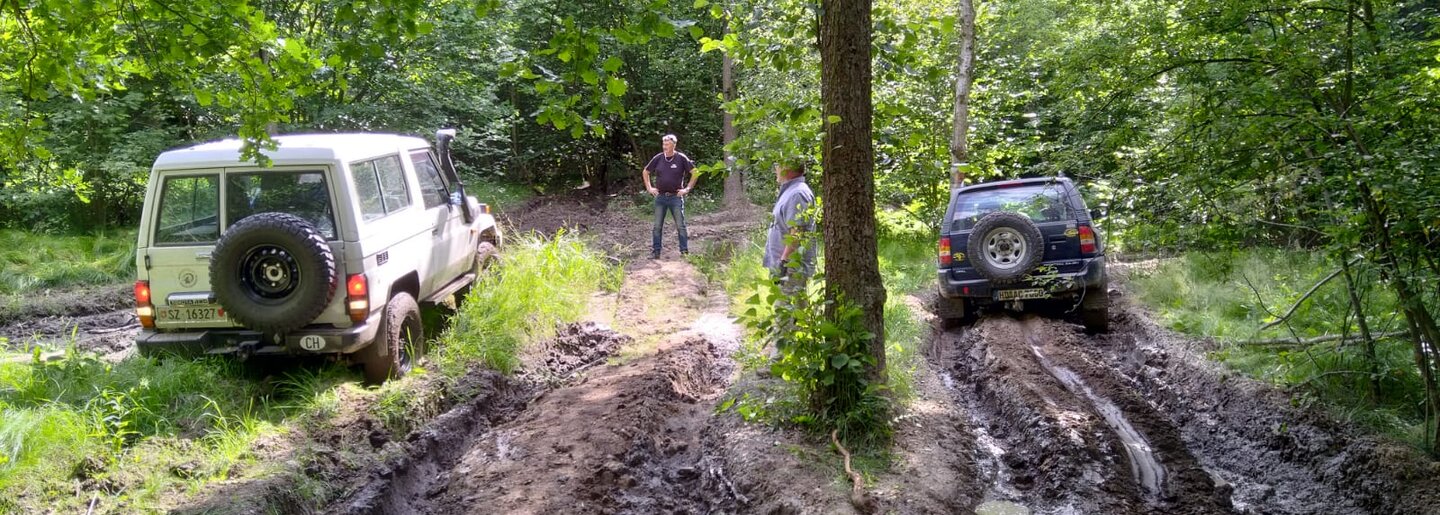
[(852, 271)]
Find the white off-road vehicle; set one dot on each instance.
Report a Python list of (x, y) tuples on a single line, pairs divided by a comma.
[(330, 250)]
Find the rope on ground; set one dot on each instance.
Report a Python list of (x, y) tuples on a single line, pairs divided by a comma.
[(863, 503)]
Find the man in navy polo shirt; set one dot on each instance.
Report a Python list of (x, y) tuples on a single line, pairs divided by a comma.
[(671, 169)]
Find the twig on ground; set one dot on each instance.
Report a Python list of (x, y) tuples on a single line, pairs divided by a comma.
[(858, 499), (1289, 342)]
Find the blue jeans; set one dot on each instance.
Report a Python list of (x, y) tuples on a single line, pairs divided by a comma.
[(675, 205)]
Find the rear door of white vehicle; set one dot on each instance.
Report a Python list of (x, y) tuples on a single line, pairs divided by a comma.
[(181, 226)]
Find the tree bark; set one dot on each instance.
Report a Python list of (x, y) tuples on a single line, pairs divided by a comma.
[(964, 77), (852, 271), (734, 181)]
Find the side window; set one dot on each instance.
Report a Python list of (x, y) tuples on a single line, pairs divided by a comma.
[(189, 210), (367, 186), (392, 183), (432, 186)]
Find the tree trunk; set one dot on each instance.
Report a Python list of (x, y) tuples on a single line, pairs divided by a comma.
[(1359, 309), (1424, 331), (734, 181), (852, 271), (964, 76)]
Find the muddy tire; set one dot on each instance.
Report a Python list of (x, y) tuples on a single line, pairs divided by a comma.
[(953, 313), (399, 342), (1005, 246), (273, 272), (485, 256), (1095, 311)]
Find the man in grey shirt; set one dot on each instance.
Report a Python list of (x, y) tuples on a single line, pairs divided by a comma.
[(788, 225)]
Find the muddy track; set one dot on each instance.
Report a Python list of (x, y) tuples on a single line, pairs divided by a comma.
[(1273, 456), (99, 319), (1137, 421), (619, 437), (1059, 434)]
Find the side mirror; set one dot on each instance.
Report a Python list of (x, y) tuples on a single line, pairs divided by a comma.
[(456, 199), (1095, 214)]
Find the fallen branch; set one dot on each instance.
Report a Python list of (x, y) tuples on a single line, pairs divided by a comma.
[(1290, 342), (1307, 295), (858, 499)]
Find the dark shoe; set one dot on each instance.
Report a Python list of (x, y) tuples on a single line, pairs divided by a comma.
[(684, 252), (654, 255)]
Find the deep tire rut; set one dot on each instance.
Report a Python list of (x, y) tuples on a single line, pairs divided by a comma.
[(1062, 435)]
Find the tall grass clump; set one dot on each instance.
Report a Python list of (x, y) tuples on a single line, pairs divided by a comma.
[(31, 261), (132, 422), (1230, 296), (539, 282)]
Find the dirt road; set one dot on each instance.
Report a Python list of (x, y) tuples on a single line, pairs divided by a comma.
[(1013, 414)]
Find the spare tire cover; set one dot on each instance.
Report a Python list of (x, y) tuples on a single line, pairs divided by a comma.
[(1004, 246), (273, 272)]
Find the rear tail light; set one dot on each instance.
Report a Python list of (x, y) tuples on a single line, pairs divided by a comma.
[(1087, 239), (357, 297), (945, 251), (143, 309)]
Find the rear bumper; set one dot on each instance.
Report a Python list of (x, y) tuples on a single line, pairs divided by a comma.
[(305, 341), (1090, 275)]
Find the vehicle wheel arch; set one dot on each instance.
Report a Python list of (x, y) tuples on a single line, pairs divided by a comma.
[(408, 283)]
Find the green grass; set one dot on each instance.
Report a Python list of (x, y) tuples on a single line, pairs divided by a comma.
[(1214, 295), (40, 261), (133, 423), (497, 193), (149, 433), (540, 282)]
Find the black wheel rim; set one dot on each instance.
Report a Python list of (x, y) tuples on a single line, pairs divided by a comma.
[(270, 273), (405, 354)]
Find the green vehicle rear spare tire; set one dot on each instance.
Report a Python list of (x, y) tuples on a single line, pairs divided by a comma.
[(273, 272)]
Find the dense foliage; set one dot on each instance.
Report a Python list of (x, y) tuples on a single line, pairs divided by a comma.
[(542, 91)]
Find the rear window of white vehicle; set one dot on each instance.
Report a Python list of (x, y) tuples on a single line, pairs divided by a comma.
[(1040, 202), (304, 194), (189, 210)]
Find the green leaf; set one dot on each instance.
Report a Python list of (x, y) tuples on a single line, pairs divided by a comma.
[(590, 77), (204, 97), (612, 64), (616, 87), (839, 360), (700, 4), (696, 32)]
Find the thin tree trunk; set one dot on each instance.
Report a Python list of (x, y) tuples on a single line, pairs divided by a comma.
[(852, 271), (734, 181), (1359, 310), (1425, 333), (964, 77)]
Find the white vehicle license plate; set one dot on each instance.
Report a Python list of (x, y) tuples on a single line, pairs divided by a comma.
[(191, 314), (1030, 293)]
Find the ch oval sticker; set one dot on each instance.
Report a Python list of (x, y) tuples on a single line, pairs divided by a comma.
[(312, 342)]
